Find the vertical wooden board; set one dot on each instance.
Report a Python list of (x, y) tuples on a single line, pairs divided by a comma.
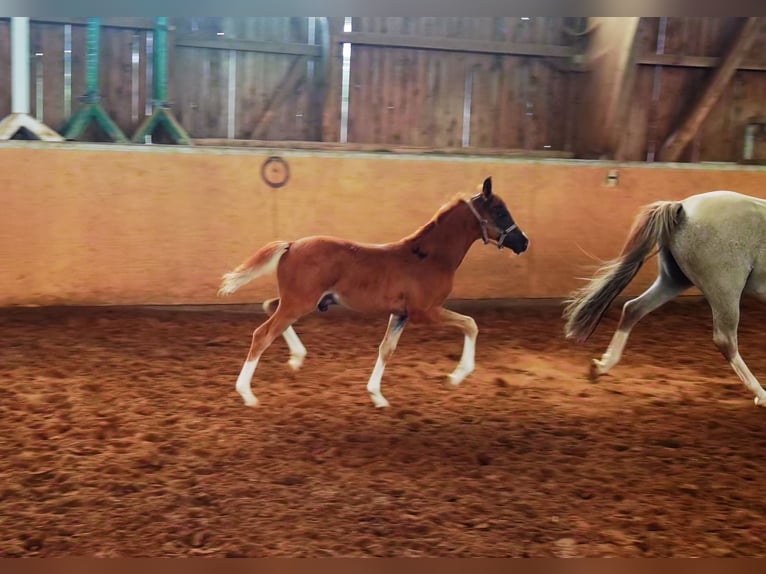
[(554, 102), (364, 108), (333, 90), (717, 133), (646, 36), (454, 98), (245, 104), (115, 76), (35, 66), (357, 88), (674, 35), (751, 103), (483, 101), (79, 64), (511, 118), (573, 104), (5, 68), (283, 126), (196, 97), (143, 85), (216, 116), (633, 142), (52, 48), (417, 104), (290, 123), (387, 84)]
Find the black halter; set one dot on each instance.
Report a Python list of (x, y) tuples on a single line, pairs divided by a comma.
[(502, 233)]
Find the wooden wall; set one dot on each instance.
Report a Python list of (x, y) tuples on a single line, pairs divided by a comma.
[(405, 96), (417, 97), (662, 92), (161, 224)]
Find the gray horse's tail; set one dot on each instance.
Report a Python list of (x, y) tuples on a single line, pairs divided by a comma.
[(653, 227)]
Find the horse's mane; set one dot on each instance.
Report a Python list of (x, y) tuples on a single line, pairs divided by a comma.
[(438, 217)]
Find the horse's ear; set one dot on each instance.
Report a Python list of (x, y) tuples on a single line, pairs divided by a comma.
[(487, 187)]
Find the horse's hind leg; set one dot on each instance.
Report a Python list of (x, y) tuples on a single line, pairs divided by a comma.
[(387, 347), (725, 307), (262, 338), (669, 283), (297, 350)]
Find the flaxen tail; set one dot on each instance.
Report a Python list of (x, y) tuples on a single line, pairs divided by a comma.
[(652, 227), (264, 262)]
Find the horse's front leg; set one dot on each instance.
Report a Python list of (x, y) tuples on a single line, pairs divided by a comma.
[(470, 331)]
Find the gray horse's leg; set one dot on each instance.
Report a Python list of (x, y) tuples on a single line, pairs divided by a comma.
[(725, 306), (670, 282)]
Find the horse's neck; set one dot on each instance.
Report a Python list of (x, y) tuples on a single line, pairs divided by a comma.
[(449, 239)]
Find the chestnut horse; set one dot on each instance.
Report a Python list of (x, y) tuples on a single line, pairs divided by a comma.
[(410, 279)]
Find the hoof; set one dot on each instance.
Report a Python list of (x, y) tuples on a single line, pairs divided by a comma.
[(453, 381), (595, 370), (295, 363), (457, 377), (250, 401), (379, 401), (760, 401)]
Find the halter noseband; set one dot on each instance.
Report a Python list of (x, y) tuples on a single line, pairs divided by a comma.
[(502, 233)]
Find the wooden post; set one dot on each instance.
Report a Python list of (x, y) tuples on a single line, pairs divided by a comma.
[(675, 144), (334, 77)]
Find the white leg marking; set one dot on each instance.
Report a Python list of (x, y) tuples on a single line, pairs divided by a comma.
[(749, 380), (243, 383), (373, 386), (613, 353), (467, 361), (386, 349), (297, 350)]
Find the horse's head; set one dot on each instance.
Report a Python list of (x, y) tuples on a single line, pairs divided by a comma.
[(497, 224)]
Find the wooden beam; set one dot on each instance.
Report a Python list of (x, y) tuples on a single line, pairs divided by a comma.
[(133, 23), (291, 49), (672, 60), (678, 140), (457, 45), (293, 78), (383, 148)]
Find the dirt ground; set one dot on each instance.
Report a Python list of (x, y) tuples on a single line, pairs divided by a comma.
[(121, 435)]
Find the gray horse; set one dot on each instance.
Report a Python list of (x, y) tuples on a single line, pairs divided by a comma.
[(715, 241)]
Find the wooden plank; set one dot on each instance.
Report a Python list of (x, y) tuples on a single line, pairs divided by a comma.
[(683, 61), (373, 147), (295, 76), (35, 67), (52, 47), (457, 45), (249, 106), (675, 144), (633, 143), (332, 99), (718, 135), (135, 23), (116, 76), (143, 84), (287, 48), (5, 68)]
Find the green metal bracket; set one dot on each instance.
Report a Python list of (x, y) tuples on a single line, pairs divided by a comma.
[(91, 110), (161, 114)]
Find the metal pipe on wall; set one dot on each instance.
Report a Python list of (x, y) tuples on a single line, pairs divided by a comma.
[(20, 65)]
